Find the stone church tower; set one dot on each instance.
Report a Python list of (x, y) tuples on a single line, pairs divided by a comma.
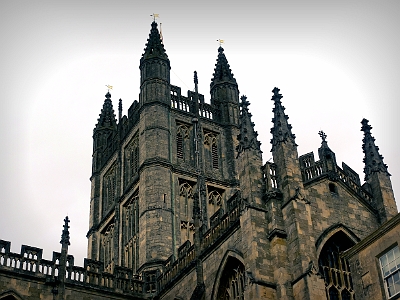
[(180, 195), (182, 206)]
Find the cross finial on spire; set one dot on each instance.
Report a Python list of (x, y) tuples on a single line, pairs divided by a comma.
[(220, 42), (322, 135)]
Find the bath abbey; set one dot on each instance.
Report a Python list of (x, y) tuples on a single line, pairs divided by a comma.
[(183, 207)]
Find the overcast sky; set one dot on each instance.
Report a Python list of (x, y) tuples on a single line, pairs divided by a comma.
[(335, 62)]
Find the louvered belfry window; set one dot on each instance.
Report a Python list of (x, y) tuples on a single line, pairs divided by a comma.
[(214, 154), (179, 146)]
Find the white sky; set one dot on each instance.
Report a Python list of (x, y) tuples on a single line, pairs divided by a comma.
[(335, 62)]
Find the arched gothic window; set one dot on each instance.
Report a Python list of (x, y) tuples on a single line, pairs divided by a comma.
[(186, 211), (232, 283), (335, 269), (211, 143), (130, 227), (107, 243), (131, 155), (214, 201), (109, 188)]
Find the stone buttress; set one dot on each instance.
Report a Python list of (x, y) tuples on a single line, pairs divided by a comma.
[(377, 176), (296, 279), (106, 126), (255, 245)]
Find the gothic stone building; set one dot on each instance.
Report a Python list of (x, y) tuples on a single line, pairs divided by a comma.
[(182, 207)]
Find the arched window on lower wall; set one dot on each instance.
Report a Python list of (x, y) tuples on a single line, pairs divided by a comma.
[(336, 270), (232, 281)]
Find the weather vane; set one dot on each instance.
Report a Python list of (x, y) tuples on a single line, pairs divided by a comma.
[(322, 135), (155, 16), (109, 87), (220, 42)]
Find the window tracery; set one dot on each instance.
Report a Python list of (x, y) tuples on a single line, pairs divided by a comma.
[(186, 194), (232, 284), (211, 145), (215, 202), (335, 269), (130, 230), (109, 188), (107, 242), (131, 160)]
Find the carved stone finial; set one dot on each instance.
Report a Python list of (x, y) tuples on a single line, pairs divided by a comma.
[(248, 136), (282, 130), (196, 81), (276, 97), (65, 233), (372, 159), (322, 135)]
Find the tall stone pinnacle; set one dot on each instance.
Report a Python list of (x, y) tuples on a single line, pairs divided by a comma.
[(107, 116), (65, 233), (222, 71), (248, 136), (282, 130), (373, 160), (154, 46)]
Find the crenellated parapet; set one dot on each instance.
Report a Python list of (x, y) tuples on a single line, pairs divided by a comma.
[(313, 171), (187, 104)]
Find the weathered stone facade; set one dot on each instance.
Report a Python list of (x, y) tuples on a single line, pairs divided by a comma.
[(182, 206), (365, 261)]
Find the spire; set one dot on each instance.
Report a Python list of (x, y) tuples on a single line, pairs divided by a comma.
[(107, 116), (222, 71), (248, 136), (282, 130), (154, 46), (65, 233), (372, 159)]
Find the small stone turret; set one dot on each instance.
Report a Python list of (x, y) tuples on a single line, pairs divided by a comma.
[(377, 176), (224, 90), (326, 154)]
